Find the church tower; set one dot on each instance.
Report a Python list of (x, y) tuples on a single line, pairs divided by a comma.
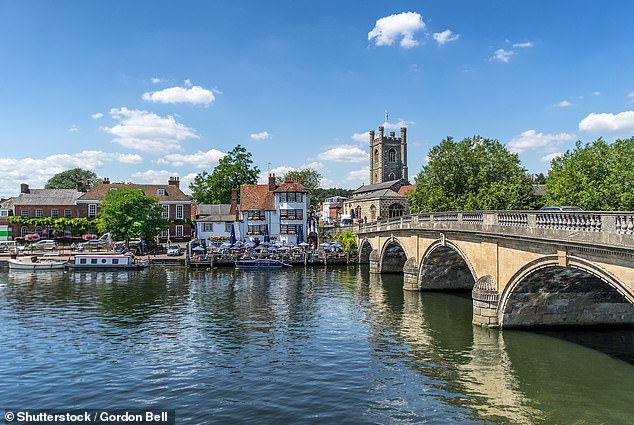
[(388, 157)]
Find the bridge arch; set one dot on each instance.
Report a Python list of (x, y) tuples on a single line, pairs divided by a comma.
[(546, 293), (445, 266), (393, 256), (365, 249)]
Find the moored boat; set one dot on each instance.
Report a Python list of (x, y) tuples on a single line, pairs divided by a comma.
[(106, 261), (34, 263), (261, 263)]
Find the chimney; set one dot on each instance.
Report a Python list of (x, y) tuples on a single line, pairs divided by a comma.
[(272, 185), (80, 186), (298, 179), (106, 180), (174, 181), (234, 203), (24, 188)]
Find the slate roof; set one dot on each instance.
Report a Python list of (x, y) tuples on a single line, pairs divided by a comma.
[(392, 184), (215, 212), (172, 192), (383, 193), (256, 197), (48, 197)]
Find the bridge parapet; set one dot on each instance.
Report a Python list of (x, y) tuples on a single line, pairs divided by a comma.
[(614, 229)]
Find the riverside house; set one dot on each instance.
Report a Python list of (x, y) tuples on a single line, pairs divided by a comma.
[(176, 205)]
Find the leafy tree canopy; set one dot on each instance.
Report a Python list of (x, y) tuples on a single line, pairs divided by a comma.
[(232, 171), (321, 194), (68, 179), (594, 176), (310, 179), (474, 174), (128, 213)]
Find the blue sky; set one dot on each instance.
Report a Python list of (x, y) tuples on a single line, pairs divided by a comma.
[(144, 90)]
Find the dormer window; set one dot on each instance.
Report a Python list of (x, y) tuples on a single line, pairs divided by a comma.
[(160, 191)]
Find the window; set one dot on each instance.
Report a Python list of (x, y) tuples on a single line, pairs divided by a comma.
[(4, 213), (24, 230), (160, 191), (179, 211), (93, 261), (39, 212), (395, 210), (255, 229), (376, 155), (255, 215), (391, 155), (82, 261), (179, 230), (291, 214), (54, 213), (115, 261), (391, 176), (165, 233), (207, 227), (166, 212), (228, 226), (24, 213), (92, 210), (288, 229), (68, 214), (372, 212)]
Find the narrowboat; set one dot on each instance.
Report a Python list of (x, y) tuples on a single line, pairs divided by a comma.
[(106, 261)]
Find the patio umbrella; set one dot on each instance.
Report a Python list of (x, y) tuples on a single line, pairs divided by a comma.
[(302, 244), (325, 244), (225, 245), (232, 235), (198, 249), (337, 244), (300, 234), (267, 238)]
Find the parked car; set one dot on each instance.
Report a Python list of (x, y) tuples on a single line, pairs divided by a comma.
[(174, 250), (44, 244), (561, 208)]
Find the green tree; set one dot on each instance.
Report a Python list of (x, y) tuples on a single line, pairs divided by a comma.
[(474, 174), (594, 176), (68, 179), (232, 171), (310, 179), (348, 239), (321, 194), (128, 213)]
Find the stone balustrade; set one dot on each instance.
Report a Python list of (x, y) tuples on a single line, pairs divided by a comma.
[(615, 229)]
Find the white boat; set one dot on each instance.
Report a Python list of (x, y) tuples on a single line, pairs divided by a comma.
[(35, 263), (106, 262)]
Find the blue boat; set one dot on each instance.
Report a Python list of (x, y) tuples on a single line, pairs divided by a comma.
[(261, 263)]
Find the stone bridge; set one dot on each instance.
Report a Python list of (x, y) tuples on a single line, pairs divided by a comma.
[(523, 268)]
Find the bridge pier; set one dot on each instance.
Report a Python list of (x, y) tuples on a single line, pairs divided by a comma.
[(410, 275), (485, 303)]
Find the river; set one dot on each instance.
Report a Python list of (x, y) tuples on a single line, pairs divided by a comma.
[(304, 345)]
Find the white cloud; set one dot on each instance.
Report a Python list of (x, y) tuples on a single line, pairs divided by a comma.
[(362, 175), (596, 93), (263, 135), (445, 37), (281, 170), (73, 129), (97, 116), (361, 137), (620, 122), (157, 80), (397, 125), (526, 44), (390, 28), (550, 157), (198, 160), (152, 176), (530, 139), (188, 83), (564, 104), (344, 153), (502, 55), (194, 95), (37, 171), (148, 132)]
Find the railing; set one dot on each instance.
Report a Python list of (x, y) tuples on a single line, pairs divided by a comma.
[(600, 228)]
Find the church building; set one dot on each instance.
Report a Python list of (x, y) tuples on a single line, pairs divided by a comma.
[(385, 196)]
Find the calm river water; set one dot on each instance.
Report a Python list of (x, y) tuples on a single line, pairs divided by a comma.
[(319, 345)]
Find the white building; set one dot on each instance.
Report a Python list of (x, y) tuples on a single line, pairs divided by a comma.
[(331, 209), (279, 210)]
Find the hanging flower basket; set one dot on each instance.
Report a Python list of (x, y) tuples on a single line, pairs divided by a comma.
[(88, 236), (32, 237)]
